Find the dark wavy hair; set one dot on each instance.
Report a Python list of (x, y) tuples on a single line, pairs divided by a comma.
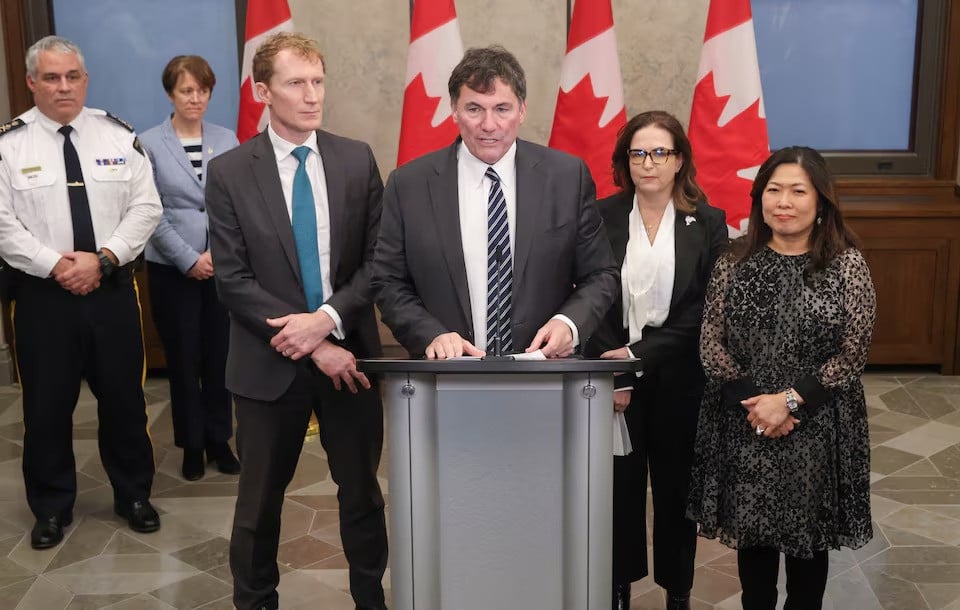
[(686, 191), (480, 66), (830, 235)]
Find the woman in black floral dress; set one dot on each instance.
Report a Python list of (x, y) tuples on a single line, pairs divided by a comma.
[(782, 454)]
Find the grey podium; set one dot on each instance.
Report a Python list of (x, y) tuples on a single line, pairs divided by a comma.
[(501, 476)]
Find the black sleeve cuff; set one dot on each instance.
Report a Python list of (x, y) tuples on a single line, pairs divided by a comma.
[(813, 393), (624, 381), (739, 389)]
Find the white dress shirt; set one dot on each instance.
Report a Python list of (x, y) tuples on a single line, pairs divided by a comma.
[(287, 165), (473, 189), (36, 226)]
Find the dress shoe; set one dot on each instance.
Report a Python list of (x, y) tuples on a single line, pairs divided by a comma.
[(621, 597), (47, 533), (678, 601), (226, 462), (140, 514), (193, 468)]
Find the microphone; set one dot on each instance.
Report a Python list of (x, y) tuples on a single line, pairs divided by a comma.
[(496, 354)]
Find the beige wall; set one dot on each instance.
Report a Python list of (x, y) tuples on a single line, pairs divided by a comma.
[(659, 53)]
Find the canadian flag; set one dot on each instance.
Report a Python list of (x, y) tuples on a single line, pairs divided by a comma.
[(435, 49), (590, 110), (264, 17), (728, 124)]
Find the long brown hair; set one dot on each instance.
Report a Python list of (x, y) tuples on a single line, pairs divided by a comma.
[(830, 235), (686, 191)]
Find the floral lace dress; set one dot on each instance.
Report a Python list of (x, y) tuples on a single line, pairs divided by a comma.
[(766, 329)]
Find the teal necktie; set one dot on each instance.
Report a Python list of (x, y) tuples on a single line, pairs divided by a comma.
[(305, 232)]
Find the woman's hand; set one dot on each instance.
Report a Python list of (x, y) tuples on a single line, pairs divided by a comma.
[(621, 400), (616, 354), (766, 412)]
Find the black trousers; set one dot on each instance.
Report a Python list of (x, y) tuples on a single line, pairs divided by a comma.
[(194, 329), (269, 440), (662, 419), (759, 568), (60, 339)]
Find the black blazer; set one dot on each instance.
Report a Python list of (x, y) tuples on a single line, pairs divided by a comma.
[(562, 259), (255, 255), (697, 245)]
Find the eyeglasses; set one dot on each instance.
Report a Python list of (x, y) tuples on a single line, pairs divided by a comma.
[(658, 156)]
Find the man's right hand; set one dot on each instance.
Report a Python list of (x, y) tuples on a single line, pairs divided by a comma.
[(77, 272), (451, 345), (339, 365)]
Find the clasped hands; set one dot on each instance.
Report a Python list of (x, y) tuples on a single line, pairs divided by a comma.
[(79, 272), (305, 334), (554, 339), (769, 413)]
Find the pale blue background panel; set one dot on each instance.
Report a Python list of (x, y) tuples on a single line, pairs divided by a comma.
[(837, 74), (127, 43)]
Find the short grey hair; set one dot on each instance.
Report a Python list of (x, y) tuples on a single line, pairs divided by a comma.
[(51, 43)]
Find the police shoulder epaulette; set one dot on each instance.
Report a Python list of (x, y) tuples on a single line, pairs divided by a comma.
[(11, 125), (137, 146), (120, 121)]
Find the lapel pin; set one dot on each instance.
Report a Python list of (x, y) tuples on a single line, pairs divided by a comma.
[(689, 220)]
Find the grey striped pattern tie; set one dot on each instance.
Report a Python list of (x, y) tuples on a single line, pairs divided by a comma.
[(499, 267)]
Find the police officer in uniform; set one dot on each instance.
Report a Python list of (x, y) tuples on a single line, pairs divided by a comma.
[(77, 205)]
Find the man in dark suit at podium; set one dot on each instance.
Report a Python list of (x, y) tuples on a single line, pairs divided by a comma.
[(492, 239), (294, 214)]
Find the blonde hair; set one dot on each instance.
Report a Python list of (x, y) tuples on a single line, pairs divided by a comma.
[(307, 48)]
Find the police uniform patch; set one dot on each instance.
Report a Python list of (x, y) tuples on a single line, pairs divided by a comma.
[(11, 125), (137, 146)]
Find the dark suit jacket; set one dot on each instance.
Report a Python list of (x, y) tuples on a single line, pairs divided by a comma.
[(255, 255), (697, 245), (562, 259)]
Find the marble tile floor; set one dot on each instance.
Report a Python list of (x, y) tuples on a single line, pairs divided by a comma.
[(913, 562)]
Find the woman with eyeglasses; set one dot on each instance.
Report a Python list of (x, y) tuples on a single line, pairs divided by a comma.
[(783, 451), (666, 239)]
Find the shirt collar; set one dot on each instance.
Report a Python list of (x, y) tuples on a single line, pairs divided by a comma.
[(475, 169), (283, 149), (50, 125)]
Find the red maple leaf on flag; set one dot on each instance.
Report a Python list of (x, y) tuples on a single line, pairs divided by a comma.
[(575, 109), (416, 133), (739, 151)]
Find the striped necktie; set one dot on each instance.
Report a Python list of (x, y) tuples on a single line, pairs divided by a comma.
[(499, 268)]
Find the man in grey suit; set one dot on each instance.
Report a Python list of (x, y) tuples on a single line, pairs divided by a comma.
[(492, 239), (294, 215)]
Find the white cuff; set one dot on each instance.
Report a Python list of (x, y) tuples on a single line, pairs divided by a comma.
[(573, 327), (338, 331)]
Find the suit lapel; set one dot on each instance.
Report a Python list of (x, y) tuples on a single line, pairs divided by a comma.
[(687, 240), (444, 199), (173, 144), (617, 226), (530, 183), (267, 178), (333, 171)]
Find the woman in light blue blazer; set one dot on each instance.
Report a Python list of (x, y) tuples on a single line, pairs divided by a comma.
[(191, 322)]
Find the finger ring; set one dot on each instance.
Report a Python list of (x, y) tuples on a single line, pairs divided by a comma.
[(760, 430)]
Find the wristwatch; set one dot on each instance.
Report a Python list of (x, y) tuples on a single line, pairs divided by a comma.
[(106, 265), (792, 403)]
